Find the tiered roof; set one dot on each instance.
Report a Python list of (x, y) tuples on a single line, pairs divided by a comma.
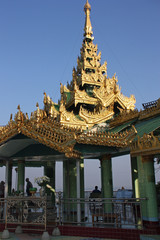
[(92, 117), (91, 97)]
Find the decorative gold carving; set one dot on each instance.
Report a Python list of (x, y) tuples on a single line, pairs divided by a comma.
[(19, 210), (129, 115), (79, 96), (107, 139), (105, 157), (89, 89), (88, 27), (73, 154), (96, 117), (49, 107), (111, 93), (148, 158), (69, 118), (92, 79), (60, 128), (42, 129), (47, 131), (124, 116), (150, 112), (148, 144), (38, 115)]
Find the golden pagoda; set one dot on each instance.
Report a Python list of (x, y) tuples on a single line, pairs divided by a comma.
[(91, 97)]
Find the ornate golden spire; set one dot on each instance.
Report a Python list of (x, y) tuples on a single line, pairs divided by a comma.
[(88, 27)]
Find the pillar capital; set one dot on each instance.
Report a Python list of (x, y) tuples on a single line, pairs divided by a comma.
[(148, 144), (105, 157), (21, 161), (147, 158)]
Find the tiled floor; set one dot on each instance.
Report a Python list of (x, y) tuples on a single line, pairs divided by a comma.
[(24, 236)]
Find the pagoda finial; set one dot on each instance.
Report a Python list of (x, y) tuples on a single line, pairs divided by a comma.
[(88, 27)]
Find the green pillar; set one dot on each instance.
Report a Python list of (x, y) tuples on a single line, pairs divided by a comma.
[(135, 188), (70, 185), (147, 188), (82, 178), (69, 179), (70, 189), (65, 179), (21, 175), (82, 192), (10, 178), (106, 179), (134, 174), (49, 171)]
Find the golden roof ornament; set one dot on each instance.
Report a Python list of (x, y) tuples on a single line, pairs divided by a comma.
[(91, 97), (19, 116), (11, 117), (88, 27)]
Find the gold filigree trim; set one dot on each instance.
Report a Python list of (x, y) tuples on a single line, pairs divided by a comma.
[(107, 139), (148, 144), (42, 129), (96, 117), (69, 119), (79, 96), (49, 107), (150, 112), (123, 117), (110, 93), (126, 115)]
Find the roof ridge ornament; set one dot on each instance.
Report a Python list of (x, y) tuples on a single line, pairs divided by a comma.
[(88, 27)]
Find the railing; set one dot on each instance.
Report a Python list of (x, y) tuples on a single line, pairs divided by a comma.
[(2, 209), (27, 211), (101, 212)]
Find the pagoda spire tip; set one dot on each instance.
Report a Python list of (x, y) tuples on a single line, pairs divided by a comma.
[(88, 27)]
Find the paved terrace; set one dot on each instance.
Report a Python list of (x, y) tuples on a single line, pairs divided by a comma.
[(27, 236)]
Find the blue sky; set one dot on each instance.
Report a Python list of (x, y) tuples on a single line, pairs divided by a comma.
[(40, 41)]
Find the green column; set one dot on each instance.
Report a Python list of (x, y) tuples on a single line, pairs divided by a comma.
[(106, 179), (82, 192), (135, 187), (49, 171), (70, 185), (21, 175), (70, 189), (147, 188), (10, 178), (134, 174), (65, 179), (69, 179), (82, 178)]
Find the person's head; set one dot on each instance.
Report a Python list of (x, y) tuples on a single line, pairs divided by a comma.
[(96, 187), (2, 182), (27, 179)]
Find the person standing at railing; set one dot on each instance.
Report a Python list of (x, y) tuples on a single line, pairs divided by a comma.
[(29, 185), (96, 193), (96, 190)]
